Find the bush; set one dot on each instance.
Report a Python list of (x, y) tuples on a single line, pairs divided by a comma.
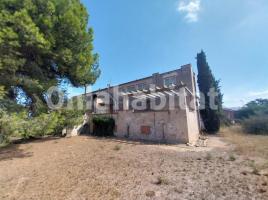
[(20, 125), (68, 119), (103, 126), (252, 108), (256, 124), (23, 126)]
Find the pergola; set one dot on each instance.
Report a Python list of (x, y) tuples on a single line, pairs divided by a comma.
[(157, 92)]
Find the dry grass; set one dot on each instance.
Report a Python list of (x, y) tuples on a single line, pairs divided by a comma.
[(161, 181), (254, 146), (150, 193), (93, 168), (116, 148), (232, 157)]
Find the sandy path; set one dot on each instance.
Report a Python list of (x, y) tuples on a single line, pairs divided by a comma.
[(88, 168)]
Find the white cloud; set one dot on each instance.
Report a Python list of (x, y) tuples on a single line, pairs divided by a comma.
[(263, 94), (240, 100), (191, 8)]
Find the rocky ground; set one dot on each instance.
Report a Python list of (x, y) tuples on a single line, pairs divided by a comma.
[(89, 168)]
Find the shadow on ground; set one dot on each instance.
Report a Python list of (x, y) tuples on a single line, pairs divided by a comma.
[(13, 151), (127, 140)]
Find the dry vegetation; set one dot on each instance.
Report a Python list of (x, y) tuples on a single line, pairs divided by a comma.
[(254, 147), (81, 168)]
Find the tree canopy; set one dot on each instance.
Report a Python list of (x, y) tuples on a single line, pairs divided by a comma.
[(256, 107), (254, 117), (206, 82), (42, 43)]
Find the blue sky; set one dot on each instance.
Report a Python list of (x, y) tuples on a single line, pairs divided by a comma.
[(136, 38)]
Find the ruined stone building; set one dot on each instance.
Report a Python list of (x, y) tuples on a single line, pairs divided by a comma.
[(162, 107)]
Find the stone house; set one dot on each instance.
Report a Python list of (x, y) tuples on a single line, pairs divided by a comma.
[(161, 108)]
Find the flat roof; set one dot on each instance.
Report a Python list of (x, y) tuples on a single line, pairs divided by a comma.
[(99, 90)]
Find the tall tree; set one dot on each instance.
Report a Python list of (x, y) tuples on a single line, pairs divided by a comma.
[(256, 107), (206, 82), (42, 43), (90, 75)]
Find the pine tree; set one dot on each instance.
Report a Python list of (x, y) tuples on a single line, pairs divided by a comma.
[(206, 82), (42, 44)]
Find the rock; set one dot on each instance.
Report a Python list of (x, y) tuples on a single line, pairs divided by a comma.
[(244, 173), (201, 143), (150, 193), (264, 172), (190, 145), (75, 131), (64, 132), (179, 191), (261, 190)]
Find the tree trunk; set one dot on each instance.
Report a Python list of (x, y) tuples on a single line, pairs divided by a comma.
[(85, 90)]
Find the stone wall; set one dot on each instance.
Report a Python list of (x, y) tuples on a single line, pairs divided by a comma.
[(193, 126), (176, 126), (164, 126)]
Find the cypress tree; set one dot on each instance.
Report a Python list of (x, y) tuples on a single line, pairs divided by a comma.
[(206, 81)]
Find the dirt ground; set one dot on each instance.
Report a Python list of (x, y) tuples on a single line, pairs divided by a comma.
[(84, 167)]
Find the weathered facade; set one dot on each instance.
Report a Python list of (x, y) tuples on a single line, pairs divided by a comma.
[(161, 108), (229, 114)]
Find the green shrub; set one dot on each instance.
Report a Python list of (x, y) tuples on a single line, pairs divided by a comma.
[(20, 125), (10, 125), (70, 118), (253, 108), (256, 124), (2, 92), (23, 126), (103, 126)]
